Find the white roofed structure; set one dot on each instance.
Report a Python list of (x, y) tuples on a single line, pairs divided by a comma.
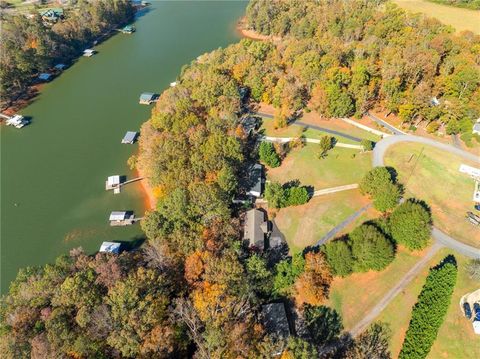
[(118, 216), (110, 247)]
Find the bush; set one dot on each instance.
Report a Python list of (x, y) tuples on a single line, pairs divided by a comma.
[(339, 257), (367, 145), (430, 310), (371, 250), (296, 196), (268, 155), (433, 127), (410, 225)]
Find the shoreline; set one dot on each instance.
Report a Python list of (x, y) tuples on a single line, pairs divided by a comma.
[(149, 200), (244, 32)]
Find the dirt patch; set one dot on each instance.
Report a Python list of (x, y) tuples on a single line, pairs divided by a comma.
[(243, 30)]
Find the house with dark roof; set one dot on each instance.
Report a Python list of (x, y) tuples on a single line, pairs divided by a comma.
[(256, 228), (249, 125), (256, 180), (274, 319)]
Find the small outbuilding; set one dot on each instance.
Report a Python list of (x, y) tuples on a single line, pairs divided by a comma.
[(256, 180), (148, 98), (256, 229), (130, 137), (52, 15), (110, 247), (476, 127), (45, 77), (274, 318)]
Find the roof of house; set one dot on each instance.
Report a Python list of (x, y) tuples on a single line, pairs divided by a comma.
[(110, 247), (275, 320), (117, 216), (255, 228), (249, 124), (256, 178)]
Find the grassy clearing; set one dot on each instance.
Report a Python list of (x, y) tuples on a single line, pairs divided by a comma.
[(355, 295), (305, 225), (297, 130), (342, 166), (455, 338), (460, 19), (436, 180)]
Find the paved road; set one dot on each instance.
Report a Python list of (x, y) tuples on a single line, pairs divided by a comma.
[(385, 124), (392, 293), (378, 155), (342, 225), (315, 127)]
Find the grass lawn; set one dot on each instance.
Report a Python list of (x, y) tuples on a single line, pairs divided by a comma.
[(460, 19), (437, 181), (455, 338), (305, 225), (354, 296), (342, 166), (297, 130)]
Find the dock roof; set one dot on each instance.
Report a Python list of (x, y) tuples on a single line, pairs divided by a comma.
[(118, 216), (110, 247), (45, 76), (130, 137), (113, 180), (147, 96)]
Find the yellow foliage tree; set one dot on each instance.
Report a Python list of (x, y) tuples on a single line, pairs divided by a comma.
[(312, 287)]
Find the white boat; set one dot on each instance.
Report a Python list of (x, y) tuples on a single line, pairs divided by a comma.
[(18, 121), (173, 84)]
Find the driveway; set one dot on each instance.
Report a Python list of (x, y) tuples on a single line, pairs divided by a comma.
[(385, 124), (378, 154)]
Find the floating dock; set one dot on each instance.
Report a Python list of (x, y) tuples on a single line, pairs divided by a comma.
[(116, 182), (122, 218), (147, 98)]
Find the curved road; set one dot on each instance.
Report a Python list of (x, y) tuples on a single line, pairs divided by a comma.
[(378, 154)]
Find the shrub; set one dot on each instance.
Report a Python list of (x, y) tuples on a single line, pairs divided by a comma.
[(296, 196), (430, 310), (370, 249), (410, 225), (433, 127), (268, 155), (367, 145), (339, 257)]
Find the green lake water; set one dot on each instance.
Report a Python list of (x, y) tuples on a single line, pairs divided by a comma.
[(53, 171)]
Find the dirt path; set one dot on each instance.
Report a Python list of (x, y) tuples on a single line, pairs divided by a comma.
[(383, 303)]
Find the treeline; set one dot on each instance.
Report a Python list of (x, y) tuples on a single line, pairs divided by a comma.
[(343, 58), (468, 4), (29, 46), (430, 310)]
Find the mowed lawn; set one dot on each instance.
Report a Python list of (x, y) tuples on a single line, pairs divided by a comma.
[(294, 130), (354, 296), (435, 179), (304, 225), (342, 166), (460, 19), (455, 338)]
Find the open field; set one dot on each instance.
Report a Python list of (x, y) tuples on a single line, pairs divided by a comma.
[(455, 338), (342, 166), (305, 225), (434, 178), (354, 296), (460, 19)]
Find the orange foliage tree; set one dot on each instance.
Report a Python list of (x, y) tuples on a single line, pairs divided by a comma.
[(312, 287)]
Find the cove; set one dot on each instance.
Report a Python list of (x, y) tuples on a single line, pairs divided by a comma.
[(53, 171)]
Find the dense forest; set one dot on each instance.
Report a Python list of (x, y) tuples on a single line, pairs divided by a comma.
[(29, 46), (468, 4), (194, 289), (349, 57)]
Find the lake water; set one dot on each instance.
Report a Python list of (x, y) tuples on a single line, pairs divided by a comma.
[(53, 171)]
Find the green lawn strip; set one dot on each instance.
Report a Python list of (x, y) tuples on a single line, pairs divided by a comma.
[(455, 338), (342, 166), (355, 295), (435, 179)]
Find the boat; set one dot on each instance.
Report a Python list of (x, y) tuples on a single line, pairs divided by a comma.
[(88, 52), (17, 121)]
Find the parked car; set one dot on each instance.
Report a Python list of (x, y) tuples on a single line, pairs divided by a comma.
[(467, 310), (476, 310)]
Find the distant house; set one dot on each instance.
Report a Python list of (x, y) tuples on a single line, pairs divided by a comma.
[(110, 247), (256, 180), (130, 137), (249, 125), (256, 228), (52, 15), (45, 77), (148, 98), (274, 319), (476, 127)]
